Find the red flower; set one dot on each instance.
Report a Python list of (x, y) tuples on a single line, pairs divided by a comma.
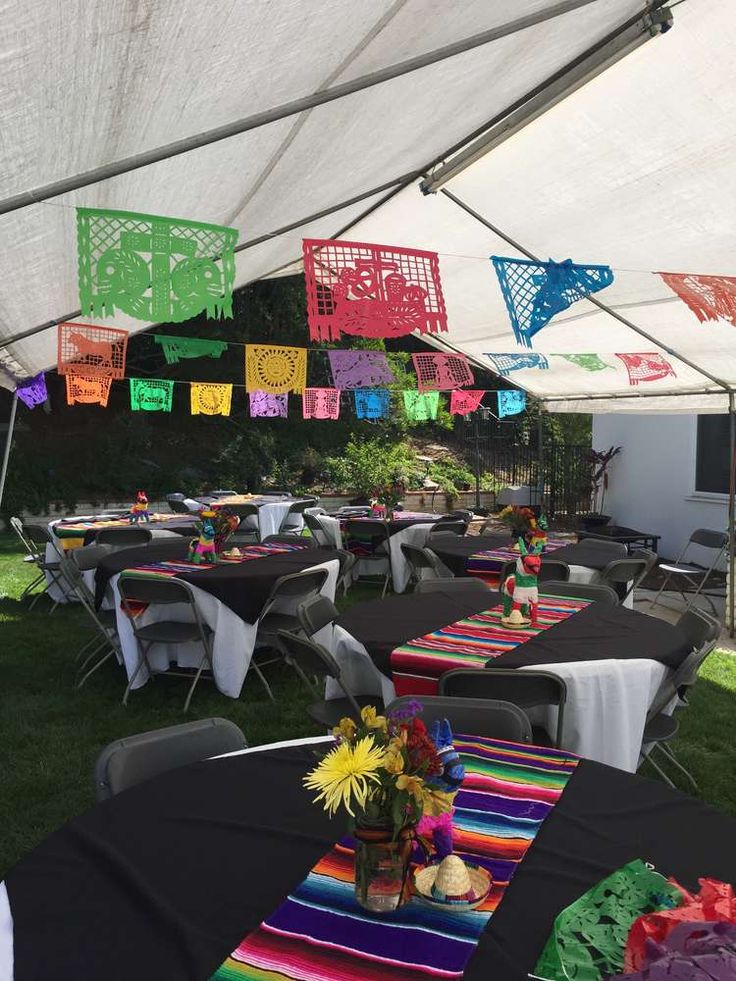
[(422, 751)]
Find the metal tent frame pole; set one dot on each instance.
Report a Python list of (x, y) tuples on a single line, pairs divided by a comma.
[(8, 444), (731, 511), (541, 482)]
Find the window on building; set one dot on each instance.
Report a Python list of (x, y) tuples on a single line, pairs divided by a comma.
[(712, 455)]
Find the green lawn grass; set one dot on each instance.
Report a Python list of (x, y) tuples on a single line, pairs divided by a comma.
[(50, 733)]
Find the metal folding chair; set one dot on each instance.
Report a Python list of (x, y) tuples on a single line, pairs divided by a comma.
[(164, 592), (248, 530), (554, 570), (702, 632), (477, 716), (33, 556), (374, 537), (691, 574), (527, 689), (421, 561), (124, 537), (39, 538), (131, 760), (293, 520), (624, 575), (315, 613), (460, 585), (445, 526), (593, 591)]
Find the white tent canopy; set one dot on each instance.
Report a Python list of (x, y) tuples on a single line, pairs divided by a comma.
[(631, 170)]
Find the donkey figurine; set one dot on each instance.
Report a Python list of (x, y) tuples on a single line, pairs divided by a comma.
[(520, 592)]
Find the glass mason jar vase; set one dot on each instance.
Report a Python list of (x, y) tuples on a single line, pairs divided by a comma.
[(382, 867)]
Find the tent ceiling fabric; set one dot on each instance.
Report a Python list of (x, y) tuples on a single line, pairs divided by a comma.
[(94, 82)]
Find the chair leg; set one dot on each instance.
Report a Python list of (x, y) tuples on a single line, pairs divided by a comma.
[(660, 771), (205, 660), (102, 660), (263, 680), (676, 763), (142, 659), (31, 586)]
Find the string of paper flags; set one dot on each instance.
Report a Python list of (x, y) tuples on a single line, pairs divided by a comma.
[(168, 270)]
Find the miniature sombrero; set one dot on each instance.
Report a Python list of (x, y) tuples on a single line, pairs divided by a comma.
[(452, 882)]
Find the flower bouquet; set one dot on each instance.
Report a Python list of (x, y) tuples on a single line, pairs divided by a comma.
[(388, 775), (524, 524)]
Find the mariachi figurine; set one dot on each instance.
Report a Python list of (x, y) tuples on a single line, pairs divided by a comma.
[(139, 511), (520, 592), (202, 549)]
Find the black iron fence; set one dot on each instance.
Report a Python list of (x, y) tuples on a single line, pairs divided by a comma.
[(514, 460)]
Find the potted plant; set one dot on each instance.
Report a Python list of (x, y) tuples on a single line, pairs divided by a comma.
[(599, 461)]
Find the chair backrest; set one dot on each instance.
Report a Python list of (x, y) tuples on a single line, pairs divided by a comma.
[(127, 537), (318, 532), (625, 570), (298, 585), (699, 627), (450, 526), (419, 558), (593, 591), (460, 513), (616, 549), (527, 689), (313, 658), (127, 762), (374, 528), (707, 538), (681, 678), (474, 716), (176, 503), (17, 525), (38, 535), (554, 570), (315, 613), (458, 585), (283, 538), (651, 558), (143, 589)]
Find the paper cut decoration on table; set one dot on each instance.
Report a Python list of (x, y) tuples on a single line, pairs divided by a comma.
[(269, 368), (535, 291), (589, 362), (646, 367), (359, 369), (589, 936), (151, 394), (709, 297), (268, 405), (321, 403), (153, 268), (177, 348), (32, 391), (139, 511), (510, 402), (504, 364), (441, 371), (82, 390), (715, 902), (694, 951), (369, 290), (372, 403), (91, 350), (462, 403), (209, 399), (421, 406)]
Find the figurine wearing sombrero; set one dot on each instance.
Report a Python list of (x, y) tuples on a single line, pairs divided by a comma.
[(520, 590)]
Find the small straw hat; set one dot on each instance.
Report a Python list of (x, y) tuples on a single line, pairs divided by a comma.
[(452, 883)]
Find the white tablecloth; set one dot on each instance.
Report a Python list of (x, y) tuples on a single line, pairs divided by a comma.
[(607, 701), (400, 570), (233, 639)]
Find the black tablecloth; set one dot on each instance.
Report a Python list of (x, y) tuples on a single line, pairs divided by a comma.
[(456, 553), (165, 880), (382, 625), (185, 525), (243, 586), (597, 632), (159, 550), (587, 553)]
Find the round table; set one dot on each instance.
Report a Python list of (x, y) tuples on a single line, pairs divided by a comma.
[(165, 880)]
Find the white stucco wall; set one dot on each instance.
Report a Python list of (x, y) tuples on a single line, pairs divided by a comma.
[(652, 480)]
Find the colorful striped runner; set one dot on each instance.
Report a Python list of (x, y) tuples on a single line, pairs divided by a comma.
[(175, 567), (320, 933), (417, 665), (489, 563), (71, 534)]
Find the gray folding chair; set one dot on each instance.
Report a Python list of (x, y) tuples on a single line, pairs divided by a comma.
[(554, 570), (294, 589), (624, 575), (460, 585), (473, 716), (616, 549), (248, 530), (527, 689), (131, 760), (315, 613), (164, 592), (347, 564), (33, 556), (104, 642), (422, 562), (702, 632), (374, 536), (124, 537), (691, 575), (318, 532), (593, 591), (293, 519), (39, 537), (176, 503), (311, 660), (445, 526)]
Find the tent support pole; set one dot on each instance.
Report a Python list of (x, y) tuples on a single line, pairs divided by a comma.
[(8, 444), (731, 510), (127, 164), (591, 299), (540, 457)]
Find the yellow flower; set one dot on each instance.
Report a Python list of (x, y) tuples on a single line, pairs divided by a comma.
[(436, 802), (371, 719), (346, 729), (412, 784), (345, 774), (393, 761)]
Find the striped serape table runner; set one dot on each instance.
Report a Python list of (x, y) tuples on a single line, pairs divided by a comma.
[(489, 563), (320, 931), (174, 567), (417, 665), (71, 533)]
